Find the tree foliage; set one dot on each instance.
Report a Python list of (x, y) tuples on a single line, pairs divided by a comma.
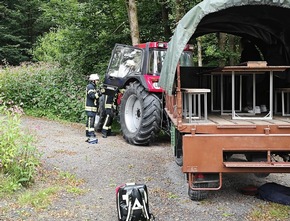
[(84, 33), (21, 22), (80, 34), (44, 90), (79, 40)]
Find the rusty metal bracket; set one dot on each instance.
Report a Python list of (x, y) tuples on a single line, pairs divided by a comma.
[(193, 130), (267, 130)]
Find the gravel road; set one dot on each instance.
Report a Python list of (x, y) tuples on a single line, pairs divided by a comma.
[(111, 162)]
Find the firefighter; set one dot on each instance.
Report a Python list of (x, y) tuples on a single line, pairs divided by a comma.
[(92, 98), (109, 106)]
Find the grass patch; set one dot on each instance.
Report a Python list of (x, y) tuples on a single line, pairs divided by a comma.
[(69, 179), (172, 196), (40, 199), (8, 185), (49, 185), (270, 211), (75, 190)]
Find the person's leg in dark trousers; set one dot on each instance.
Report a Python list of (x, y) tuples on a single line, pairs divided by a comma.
[(106, 130), (90, 130)]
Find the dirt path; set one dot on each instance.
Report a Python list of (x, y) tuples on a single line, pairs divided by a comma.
[(111, 162)]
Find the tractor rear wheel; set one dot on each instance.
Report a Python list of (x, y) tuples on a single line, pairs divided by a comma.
[(140, 115)]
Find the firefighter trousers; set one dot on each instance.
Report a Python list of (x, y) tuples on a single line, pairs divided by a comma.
[(90, 129)]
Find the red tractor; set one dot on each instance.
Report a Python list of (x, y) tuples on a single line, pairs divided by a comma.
[(132, 76)]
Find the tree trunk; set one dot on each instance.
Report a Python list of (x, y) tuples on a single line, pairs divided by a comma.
[(133, 20), (222, 41), (199, 54), (165, 21), (232, 48)]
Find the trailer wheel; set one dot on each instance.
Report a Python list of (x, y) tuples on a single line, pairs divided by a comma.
[(198, 195), (101, 114), (140, 115)]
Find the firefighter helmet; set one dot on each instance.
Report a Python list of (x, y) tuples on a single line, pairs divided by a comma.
[(94, 77)]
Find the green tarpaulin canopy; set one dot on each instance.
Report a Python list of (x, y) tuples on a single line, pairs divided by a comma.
[(265, 22)]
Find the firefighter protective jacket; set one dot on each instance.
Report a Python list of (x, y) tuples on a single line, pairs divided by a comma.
[(92, 96)]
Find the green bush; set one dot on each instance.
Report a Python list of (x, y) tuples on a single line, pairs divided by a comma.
[(44, 90), (19, 158)]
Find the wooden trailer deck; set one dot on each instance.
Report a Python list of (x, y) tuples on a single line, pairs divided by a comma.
[(219, 119)]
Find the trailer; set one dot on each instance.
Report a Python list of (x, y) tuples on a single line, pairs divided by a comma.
[(211, 133)]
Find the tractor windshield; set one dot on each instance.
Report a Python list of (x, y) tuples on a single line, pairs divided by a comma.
[(125, 60), (157, 57)]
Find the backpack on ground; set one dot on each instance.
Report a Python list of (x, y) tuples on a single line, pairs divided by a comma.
[(275, 193), (132, 203)]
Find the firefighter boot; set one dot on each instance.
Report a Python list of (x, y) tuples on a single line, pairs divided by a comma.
[(106, 133), (92, 140), (110, 133)]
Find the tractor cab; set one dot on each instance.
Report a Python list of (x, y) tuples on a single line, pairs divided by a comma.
[(142, 62)]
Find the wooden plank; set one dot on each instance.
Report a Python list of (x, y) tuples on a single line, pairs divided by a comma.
[(227, 120), (257, 63)]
